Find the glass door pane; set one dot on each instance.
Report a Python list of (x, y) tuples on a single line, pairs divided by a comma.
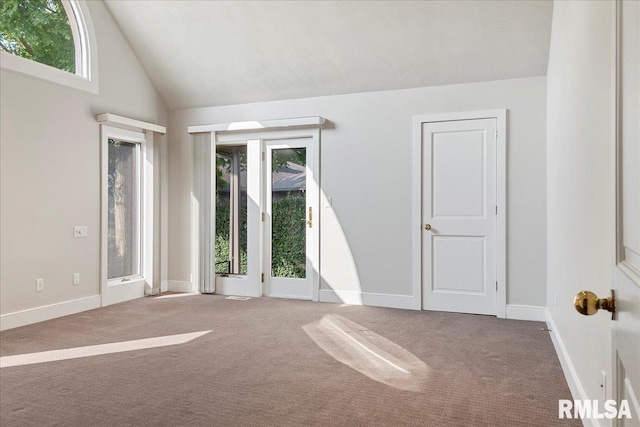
[(288, 212), (231, 210)]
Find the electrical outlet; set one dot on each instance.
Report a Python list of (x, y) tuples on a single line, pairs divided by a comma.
[(39, 285), (76, 278)]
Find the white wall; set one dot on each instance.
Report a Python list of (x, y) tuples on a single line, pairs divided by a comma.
[(50, 171), (579, 184), (366, 170)]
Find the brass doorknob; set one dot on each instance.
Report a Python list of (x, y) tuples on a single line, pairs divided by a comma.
[(427, 226), (588, 303)]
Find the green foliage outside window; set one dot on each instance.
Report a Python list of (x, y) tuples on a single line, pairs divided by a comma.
[(38, 30), (289, 254), (222, 237)]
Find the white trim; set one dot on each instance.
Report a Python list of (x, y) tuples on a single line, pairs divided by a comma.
[(236, 285), (366, 298), (85, 77), (180, 286), (48, 312), (501, 223), (136, 287), (501, 196), (526, 312), (313, 121), (570, 374), (130, 124)]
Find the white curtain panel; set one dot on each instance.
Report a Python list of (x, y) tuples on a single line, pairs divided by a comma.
[(204, 213)]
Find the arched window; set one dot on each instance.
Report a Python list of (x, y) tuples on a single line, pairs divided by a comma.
[(49, 39)]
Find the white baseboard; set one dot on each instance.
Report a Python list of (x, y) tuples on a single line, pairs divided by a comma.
[(570, 374), (48, 312), (366, 298), (164, 286), (526, 312), (179, 286)]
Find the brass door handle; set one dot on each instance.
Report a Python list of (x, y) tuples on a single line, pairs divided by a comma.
[(427, 227), (588, 303)]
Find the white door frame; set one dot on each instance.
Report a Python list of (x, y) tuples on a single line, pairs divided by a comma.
[(239, 132), (282, 287), (153, 190), (416, 207), (625, 279)]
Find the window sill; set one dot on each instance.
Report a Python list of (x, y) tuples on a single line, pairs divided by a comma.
[(44, 72), (118, 282)]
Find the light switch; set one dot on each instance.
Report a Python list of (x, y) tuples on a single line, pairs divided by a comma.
[(80, 231)]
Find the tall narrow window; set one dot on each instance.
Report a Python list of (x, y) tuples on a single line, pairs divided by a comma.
[(124, 231), (231, 210), (38, 30)]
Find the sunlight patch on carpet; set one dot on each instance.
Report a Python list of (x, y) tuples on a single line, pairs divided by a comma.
[(185, 294), (98, 350), (370, 354)]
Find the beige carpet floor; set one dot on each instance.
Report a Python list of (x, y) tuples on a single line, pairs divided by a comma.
[(271, 362)]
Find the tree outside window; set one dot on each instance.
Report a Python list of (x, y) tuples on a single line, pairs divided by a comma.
[(38, 30)]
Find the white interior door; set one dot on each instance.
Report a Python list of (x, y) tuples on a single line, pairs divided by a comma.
[(290, 218), (459, 216), (626, 329)]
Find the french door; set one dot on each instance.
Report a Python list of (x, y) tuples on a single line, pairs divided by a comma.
[(266, 205), (289, 220)]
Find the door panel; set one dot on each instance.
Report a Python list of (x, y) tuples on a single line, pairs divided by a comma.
[(458, 164), (449, 253), (237, 238), (626, 329), (289, 220), (459, 199)]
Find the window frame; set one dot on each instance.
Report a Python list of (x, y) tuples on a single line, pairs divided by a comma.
[(86, 54), (140, 148), (134, 285)]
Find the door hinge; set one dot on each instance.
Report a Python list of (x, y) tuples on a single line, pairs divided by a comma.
[(496, 285), (262, 277), (263, 156), (496, 133), (496, 209), (262, 216)]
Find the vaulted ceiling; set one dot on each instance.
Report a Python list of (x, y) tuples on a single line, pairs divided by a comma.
[(210, 53)]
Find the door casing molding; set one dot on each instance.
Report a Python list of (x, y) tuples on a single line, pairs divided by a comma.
[(416, 197)]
